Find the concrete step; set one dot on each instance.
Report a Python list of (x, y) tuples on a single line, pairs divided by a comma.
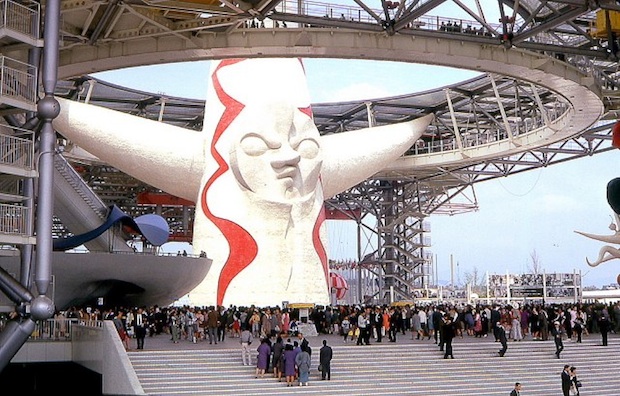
[(412, 368)]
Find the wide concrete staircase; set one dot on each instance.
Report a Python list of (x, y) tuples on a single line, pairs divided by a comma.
[(404, 368)]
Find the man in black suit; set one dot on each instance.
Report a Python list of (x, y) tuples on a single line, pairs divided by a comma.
[(501, 334), (604, 324), (377, 322), (437, 318), (140, 325), (566, 382), (448, 332), (556, 332), (496, 316), (325, 358)]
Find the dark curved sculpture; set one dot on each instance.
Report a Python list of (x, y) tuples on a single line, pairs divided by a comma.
[(153, 227), (613, 194)]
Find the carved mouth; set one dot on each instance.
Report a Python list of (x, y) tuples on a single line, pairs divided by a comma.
[(288, 172)]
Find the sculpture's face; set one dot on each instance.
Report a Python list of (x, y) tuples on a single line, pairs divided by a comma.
[(277, 155)]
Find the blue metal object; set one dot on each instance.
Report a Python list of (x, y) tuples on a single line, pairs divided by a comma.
[(153, 227)]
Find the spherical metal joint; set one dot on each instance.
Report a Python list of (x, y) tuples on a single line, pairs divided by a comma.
[(42, 307), (48, 108)]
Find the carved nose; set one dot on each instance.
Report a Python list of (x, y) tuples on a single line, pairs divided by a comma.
[(286, 156)]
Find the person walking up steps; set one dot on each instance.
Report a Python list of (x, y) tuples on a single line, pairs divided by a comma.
[(566, 380), (245, 340), (501, 334), (556, 332), (448, 333), (302, 361), (325, 358)]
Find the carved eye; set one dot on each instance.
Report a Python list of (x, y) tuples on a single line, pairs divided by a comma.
[(308, 148), (254, 145)]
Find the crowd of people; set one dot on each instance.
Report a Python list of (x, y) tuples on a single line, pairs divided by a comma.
[(291, 359), (359, 324), (284, 352)]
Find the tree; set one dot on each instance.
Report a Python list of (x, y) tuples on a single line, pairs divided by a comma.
[(477, 281), (534, 266)]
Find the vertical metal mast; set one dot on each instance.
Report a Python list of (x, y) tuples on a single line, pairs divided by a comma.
[(16, 332), (48, 108)]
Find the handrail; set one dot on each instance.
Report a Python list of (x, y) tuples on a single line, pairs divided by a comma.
[(18, 80), (17, 150), (14, 219), (21, 18), (73, 178), (55, 329)]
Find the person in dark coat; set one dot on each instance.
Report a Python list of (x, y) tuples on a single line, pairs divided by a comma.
[(303, 343), (604, 324), (140, 324), (574, 382), (437, 323), (325, 358), (278, 349), (501, 334), (556, 332), (395, 319), (496, 317), (448, 333), (566, 381), (262, 361), (289, 364)]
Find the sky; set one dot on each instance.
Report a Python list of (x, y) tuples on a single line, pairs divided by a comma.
[(534, 212)]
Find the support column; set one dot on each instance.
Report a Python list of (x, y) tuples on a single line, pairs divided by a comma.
[(48, 108)]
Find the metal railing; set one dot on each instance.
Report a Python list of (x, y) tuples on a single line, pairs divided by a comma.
[(56, 329), (14, 219), (22, 18), (355, 13), (17, 149), (80, 186), (18, 80), (492, 135)]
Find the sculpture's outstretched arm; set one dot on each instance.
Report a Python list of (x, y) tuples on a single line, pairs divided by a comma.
[(605, 254), (614, 238), (352, 157), (137, 146)]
